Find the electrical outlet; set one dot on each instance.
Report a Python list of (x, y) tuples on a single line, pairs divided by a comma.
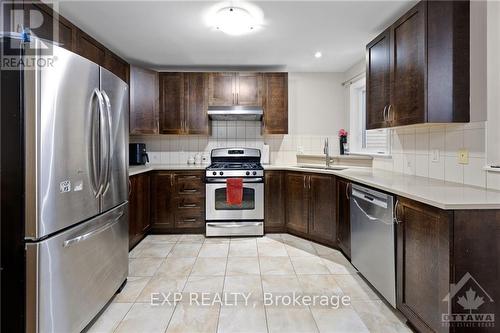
[(435, 155), (463, 156)]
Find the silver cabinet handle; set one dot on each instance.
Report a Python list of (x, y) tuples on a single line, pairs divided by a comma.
[(389, 108), (129, 187), (396, 219), (77, 239), (189, 205), (189, 220), (190, 190), (347, 191), (385, 116)]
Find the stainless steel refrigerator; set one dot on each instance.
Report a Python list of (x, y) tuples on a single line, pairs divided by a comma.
[(74, 126)]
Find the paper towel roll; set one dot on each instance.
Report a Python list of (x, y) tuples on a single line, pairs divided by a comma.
[(264, 156)]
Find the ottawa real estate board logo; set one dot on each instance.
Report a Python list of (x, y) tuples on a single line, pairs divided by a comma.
[(469, 305)]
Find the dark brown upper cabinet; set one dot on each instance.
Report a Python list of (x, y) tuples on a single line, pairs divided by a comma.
[(221, 89), (183, 103), (378, 75), (196, 103), (171, 103), (428, 50), (275, 103), (67, 36), (143, 101), (228, 89)]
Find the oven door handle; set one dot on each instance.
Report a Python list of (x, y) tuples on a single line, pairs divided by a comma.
[(233, 225), (245, 180)]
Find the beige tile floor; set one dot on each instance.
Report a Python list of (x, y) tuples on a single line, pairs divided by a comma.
[(277, 263)]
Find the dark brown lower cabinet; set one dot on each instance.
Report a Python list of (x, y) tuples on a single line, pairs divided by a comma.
[(322, 208), (178, 201), (274, 205), (343, 216), (447, 263), (139, 209), (297, 202), (311, 206)]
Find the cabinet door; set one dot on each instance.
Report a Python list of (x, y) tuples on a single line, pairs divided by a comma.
[(343, 217), (275, 103), (145, 192), (139, 208), (143, 101), (117, 66), (297, 202), (89, 48), (171, 103), (45, 28), (221, 89), (161, 204), (249, 89), (378, 80), (409, 68), (422, 263), (322, 224), (196, 103), (274, 205)]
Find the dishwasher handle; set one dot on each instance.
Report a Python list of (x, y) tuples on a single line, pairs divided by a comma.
[(369, 197)]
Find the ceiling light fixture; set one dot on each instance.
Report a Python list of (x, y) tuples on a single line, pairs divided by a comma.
[(318, 54), (235, 20)]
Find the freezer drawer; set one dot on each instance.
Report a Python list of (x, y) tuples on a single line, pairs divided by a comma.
[(72, 275)]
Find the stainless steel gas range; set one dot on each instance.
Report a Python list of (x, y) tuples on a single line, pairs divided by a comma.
[(247, 218)]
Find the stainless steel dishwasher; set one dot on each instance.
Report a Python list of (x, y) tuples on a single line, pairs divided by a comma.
[(373, 239)]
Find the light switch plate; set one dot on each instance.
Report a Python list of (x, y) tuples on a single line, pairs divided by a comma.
[(463, 156)]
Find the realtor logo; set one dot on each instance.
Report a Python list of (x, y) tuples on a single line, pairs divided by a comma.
[(467, 302)]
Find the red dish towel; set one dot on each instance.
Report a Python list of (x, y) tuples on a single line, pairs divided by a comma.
[(234, 192)]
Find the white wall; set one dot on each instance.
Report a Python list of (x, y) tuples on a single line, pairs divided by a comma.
[(316, 103)]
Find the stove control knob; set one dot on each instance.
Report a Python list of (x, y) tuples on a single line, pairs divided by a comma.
[(221, 173), (214, 173), (248, 173), (254, 173)]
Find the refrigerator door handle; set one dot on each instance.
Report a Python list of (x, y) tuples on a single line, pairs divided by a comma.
[(108, 140), (98, 181), (92, 145), (87, 235), (103, 135)]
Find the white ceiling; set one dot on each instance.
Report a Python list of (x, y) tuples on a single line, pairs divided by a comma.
[(173, 34)]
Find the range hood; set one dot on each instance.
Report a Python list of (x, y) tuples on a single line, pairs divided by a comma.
[(248, 113)]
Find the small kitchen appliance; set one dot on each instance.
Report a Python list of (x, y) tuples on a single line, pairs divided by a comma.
[(137, 154)]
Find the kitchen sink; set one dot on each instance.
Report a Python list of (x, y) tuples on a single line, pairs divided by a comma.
[(321, 167)]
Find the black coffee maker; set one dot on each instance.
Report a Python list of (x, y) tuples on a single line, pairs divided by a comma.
[(137, 154)]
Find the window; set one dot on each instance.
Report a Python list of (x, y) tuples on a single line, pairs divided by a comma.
[(363, 140)]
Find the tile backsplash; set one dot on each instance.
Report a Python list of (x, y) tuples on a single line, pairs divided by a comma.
[(423, 150), (177, 149), (432, 151)]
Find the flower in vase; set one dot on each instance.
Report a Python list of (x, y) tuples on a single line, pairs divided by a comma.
[(343, 133)]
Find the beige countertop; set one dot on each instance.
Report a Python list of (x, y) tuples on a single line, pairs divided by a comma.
[(437, 193)]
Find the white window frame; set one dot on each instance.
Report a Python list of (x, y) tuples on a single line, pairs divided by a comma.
[(357, 121)]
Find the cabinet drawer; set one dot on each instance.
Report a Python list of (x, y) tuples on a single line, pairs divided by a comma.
[(189, 218), (189, 184), (189, 202)]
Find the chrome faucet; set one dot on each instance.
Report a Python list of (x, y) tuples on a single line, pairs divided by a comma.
[(326, 151)]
